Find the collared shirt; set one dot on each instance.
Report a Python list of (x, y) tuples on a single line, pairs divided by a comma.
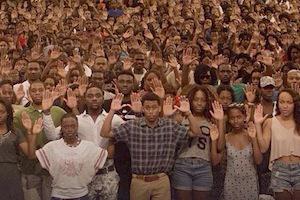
[(152, 150), (88, 129)]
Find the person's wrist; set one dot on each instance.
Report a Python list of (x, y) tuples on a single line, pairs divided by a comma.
[(188, 113)]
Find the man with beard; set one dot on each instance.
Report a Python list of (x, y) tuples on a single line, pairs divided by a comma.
[(105, 183), (36, 182)]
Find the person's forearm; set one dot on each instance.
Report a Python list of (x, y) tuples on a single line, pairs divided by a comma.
[(215, 156), (31, 145), (106, 127), (221, 140), (194, 126), (260, 139), (258, 157), (50, 131)]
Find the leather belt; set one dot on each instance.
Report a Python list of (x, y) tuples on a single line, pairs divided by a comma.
[(149, 178), (105, 170)]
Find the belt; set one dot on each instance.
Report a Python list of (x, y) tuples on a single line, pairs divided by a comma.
[(149, 178), (105, 170)]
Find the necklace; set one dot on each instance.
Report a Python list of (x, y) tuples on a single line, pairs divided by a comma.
[(74, 145)]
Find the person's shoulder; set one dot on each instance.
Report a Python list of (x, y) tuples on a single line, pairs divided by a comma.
[(57, 109)]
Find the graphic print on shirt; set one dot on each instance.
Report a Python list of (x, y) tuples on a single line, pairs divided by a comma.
[(201, 140), (70, 167)]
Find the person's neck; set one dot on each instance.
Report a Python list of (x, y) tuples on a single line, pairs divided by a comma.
[(237, 130), (126, 98), (266, 101), (151, 124), (138, 70), (71, 141), (225, 83), (37, 107), (3, 128), (287, 118), (94, 113)]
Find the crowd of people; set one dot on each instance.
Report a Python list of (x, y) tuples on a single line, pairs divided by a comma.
[(150, 100)]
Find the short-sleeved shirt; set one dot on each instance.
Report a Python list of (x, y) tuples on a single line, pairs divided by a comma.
[(152, 150)]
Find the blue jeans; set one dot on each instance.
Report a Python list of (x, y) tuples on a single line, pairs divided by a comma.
[(192, 174), (285, 177)]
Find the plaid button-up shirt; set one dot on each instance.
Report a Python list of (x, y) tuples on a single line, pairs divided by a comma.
[(152, 149)]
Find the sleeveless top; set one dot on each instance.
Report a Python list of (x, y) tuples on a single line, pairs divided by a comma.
[(284, 141), (198, 147)]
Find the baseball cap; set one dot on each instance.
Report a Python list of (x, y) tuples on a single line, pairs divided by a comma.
[(266, 80)]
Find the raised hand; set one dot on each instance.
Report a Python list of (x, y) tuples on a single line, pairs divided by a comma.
[(251, 130), (157, 88), (250, 92), (26, 121), (116, 103), (47, 100), (55, 53), (278, 79), (37, 126), (71, 100), (217, 112), (184, 105), (83, 84), (259, 117), (168, 109), (214, 132), (127, 63), (20, 93), (61, 87), (136, 104), (173, 61), (187, 57)]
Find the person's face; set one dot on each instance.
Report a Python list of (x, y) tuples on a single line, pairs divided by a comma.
[(49, 84), (36, 92), (100, 64), (151, 110), (68, 45), (97, 78), (3, 114), (206, 79), (295, 53), (33, 71), (235, 72), (293, 78), (286, 104), (225, 99), (207, 24), (7, 93), (139, 61), (74, 76), (94, 98), (225, 73), (255, 78), (149, 81), (14, 76), (199, 102), (69, 128), (267, 92), (3, 46), (125, 84), (236, 118)]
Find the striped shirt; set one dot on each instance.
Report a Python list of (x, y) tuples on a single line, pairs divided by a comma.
[(152, 150)]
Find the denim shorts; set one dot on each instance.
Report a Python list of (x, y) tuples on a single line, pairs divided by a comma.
[(285, 177), (192, 174)]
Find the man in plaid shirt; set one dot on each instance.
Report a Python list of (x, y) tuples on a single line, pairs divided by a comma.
[(152, 142)]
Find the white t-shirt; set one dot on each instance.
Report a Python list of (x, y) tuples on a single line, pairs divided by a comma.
[(72, 168)]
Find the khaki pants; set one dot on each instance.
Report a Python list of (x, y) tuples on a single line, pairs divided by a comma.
[(155, 190)]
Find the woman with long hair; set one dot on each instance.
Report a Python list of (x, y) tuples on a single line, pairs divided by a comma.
[(192, 176), (282, 132)]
